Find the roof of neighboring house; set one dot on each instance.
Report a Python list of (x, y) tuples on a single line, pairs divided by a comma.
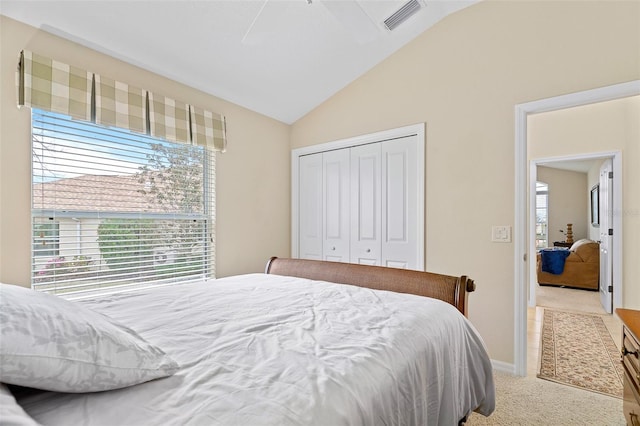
[(107, 193)]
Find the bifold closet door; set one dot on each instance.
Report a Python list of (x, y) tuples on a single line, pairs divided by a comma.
[(310, 207), (399, 203), (335, 167), (360, 204), (366, 206)]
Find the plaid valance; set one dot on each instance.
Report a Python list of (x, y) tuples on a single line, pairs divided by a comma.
[(169, 119), (120, 105), (208, 129), (54, 86)]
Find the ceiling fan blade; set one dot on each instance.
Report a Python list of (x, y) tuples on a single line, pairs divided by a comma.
[(274, 16), (271, 19), (274, 19), (354, 19), (247, 39)]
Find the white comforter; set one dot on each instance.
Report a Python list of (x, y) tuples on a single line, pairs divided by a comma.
[(269, 350)]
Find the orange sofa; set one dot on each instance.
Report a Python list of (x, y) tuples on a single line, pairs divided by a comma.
[(581, 267)]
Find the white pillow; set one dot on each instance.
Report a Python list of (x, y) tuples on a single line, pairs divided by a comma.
[(11, 413), (50, 343)]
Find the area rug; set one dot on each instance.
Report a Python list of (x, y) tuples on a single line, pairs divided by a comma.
[(577, 350)]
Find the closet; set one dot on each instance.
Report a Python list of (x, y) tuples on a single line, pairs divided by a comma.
[(361, 200)]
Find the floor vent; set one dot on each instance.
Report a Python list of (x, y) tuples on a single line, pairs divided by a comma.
[(402, 14)]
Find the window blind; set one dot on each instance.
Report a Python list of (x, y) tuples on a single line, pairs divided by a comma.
[(114, 209)]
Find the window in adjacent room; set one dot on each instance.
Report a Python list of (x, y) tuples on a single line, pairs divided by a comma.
[(114, 209), (542, 216)]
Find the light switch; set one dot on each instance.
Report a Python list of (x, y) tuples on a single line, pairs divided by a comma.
[(501, 234)]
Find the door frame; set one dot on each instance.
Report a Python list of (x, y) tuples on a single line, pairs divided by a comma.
[(417, 130), (520, 246), (616, 157)]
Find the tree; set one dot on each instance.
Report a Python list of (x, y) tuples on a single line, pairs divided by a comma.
[(173, 178), (125, 243)]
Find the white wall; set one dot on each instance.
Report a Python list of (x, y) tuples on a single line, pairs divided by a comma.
[(568, 197)]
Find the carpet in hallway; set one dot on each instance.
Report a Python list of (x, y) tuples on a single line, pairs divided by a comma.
[(577, 350)]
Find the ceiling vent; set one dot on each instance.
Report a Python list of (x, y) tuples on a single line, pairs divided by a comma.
[(402, 14)]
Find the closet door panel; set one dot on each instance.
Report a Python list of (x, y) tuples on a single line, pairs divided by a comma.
[(365, 204), (399, 201), (362, 200), (310, 207), (336, 205)]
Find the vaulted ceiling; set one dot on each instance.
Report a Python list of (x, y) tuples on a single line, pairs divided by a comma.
[(280, 58)]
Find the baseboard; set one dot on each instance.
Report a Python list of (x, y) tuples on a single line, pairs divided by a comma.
[(503, 367)]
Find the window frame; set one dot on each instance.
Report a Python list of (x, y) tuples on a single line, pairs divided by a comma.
[(545, 193), (205, 220)]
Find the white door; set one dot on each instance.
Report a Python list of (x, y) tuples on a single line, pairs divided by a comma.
[(335, 167), (365, 204), (361, 200), (399, 200), (606, 234), (310, 207)]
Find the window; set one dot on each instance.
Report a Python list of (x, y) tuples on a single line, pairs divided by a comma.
[(542, 213), (46, 237), (114, 210)]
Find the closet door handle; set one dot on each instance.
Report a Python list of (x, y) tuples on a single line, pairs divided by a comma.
[(368, 250)]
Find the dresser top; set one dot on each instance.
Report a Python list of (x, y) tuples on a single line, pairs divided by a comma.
[(630, 318)]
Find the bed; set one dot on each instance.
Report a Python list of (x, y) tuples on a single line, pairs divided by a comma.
[(305, 343)]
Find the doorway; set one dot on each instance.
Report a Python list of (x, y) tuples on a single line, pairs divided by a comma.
[(522, 240), (588, 227)]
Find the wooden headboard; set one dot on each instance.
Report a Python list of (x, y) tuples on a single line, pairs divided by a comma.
[(448, 288)]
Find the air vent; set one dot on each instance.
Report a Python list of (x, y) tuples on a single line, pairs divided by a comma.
[(402, 14)]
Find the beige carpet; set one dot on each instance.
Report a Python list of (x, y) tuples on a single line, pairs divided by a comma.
[(560, 298), (536, 402), (530, 401), (577, 350)]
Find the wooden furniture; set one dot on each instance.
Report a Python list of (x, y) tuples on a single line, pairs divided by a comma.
[(631, 363), (453, 290), (581, 267), (562, 244)]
